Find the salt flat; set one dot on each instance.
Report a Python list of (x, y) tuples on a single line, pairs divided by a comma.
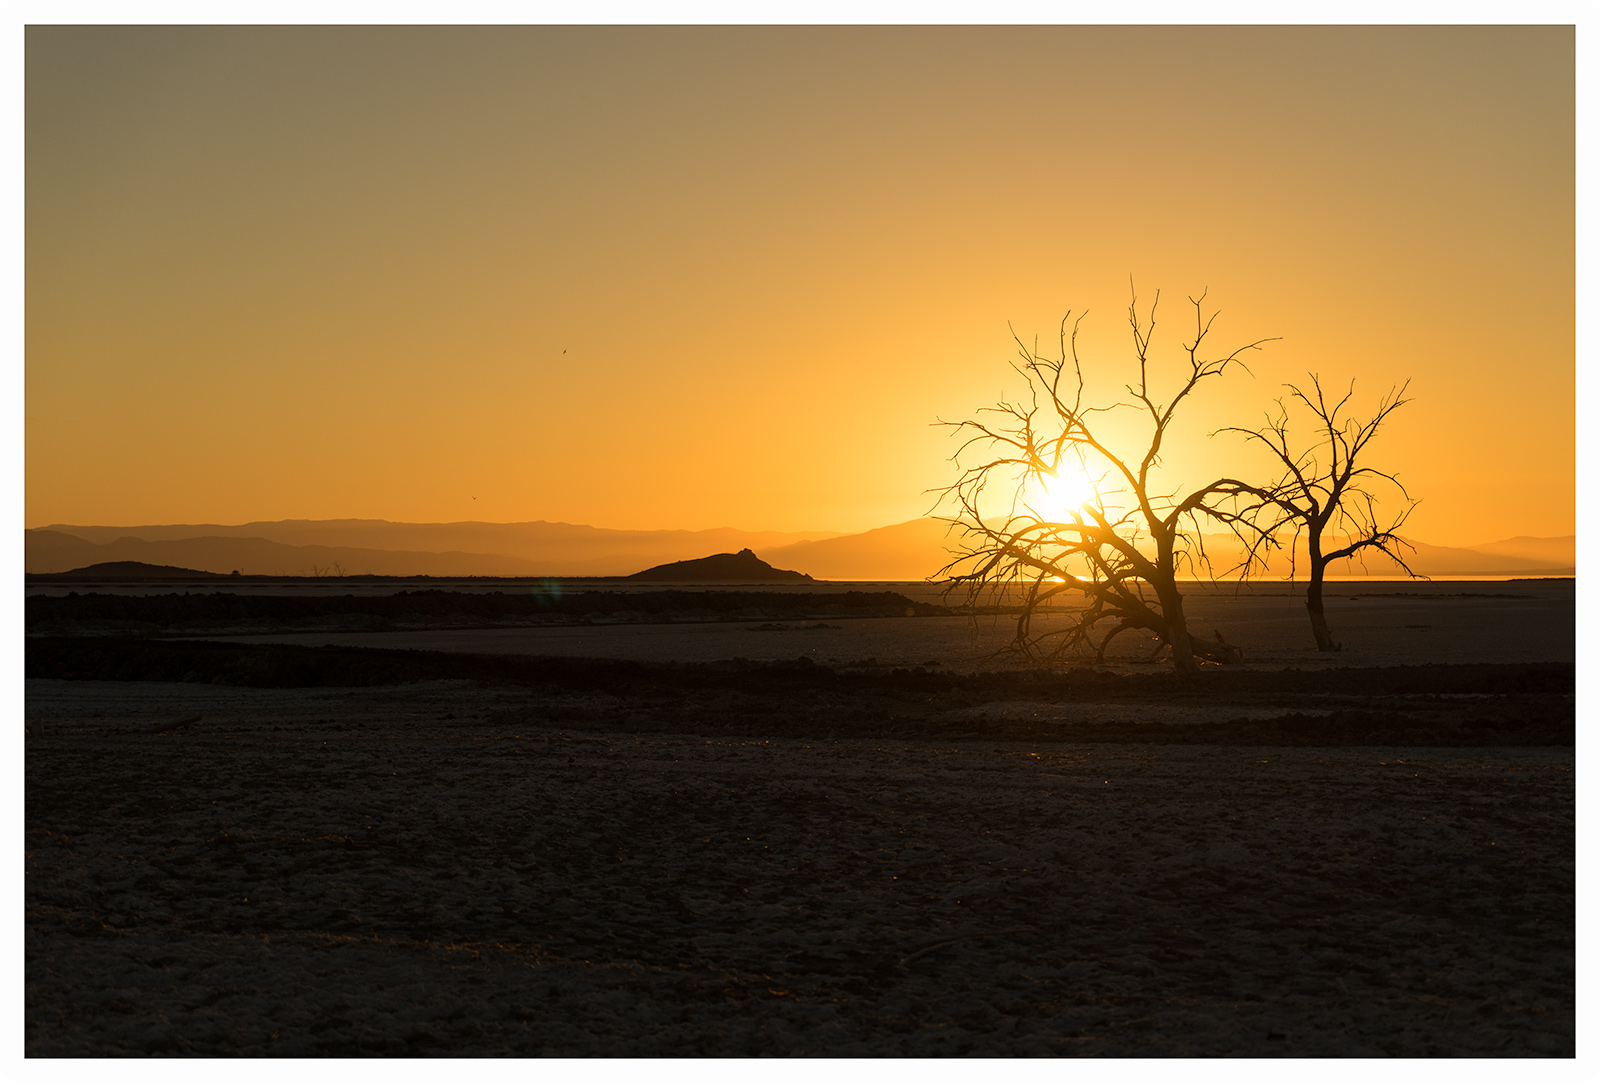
[(433, 870), (734, 861)]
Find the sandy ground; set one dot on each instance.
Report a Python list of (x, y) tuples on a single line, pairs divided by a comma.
[(426, 870)]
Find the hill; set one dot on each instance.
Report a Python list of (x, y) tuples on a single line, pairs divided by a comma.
[(133, 569), (741, 567)]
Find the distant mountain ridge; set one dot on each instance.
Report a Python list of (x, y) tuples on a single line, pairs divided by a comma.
[(380, 547), (133, 569), (54, 551), (907, 551), (921, 548), (1562, 550), (536, 539)]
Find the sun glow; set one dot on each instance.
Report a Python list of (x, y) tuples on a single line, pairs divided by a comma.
[(1062, 493)]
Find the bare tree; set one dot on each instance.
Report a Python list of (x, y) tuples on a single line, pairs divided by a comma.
[(1323, 489), (1123, 558)]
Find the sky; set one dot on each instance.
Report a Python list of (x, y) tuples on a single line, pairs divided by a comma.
[(678, 277)]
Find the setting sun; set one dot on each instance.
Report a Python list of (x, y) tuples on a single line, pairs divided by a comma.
[(1063, 493)]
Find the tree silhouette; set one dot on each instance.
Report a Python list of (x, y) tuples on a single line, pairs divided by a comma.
[(1123, 558), (1324, 488)]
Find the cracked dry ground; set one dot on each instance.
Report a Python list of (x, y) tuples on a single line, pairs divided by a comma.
[(277, 881)]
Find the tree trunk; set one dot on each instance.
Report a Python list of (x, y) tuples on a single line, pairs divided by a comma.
[(1319, 619), (1183, 659)]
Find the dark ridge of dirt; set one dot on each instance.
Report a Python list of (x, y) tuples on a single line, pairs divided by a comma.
[(172, 614), (1428, 597), (293, 666), (1521, 725), (1509, 704)]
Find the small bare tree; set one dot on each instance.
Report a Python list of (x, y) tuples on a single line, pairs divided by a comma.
[(1123, 559), (1323, 489)]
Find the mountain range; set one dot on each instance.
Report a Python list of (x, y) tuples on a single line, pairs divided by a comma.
[(907, 551)]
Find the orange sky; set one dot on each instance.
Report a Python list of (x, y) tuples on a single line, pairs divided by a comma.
[(694, 277)]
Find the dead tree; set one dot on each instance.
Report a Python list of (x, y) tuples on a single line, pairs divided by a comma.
[(1323, 489), (1123, 550)]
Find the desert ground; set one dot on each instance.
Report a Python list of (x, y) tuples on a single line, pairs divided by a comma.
[(802, 835)]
